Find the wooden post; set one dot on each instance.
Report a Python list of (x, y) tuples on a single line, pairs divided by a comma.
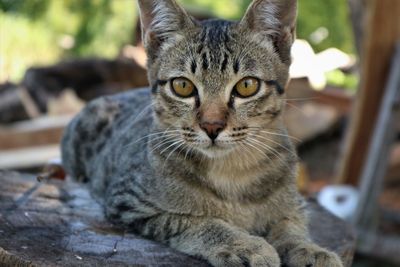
[(382, 33), (366, 217)]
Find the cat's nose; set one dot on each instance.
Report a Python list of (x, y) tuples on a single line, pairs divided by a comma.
[(213, 129)]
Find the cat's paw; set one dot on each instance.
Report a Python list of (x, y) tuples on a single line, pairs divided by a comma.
[(310, 255), (254, 251)]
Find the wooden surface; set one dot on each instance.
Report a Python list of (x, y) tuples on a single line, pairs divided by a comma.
[(381, 36), (45, 130), (29, 158), (59, 224)]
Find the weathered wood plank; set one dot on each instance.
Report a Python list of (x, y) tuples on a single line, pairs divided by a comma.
[(37, 132), (32, 157), (59, 224)]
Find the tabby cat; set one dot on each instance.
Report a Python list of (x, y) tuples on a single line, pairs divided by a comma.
[(202, 161)]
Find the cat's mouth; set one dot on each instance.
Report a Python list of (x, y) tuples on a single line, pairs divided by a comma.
[(216, 148), (213, 146)]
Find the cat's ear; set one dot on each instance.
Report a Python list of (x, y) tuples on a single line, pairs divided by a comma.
[(275, 19), (162, 20)]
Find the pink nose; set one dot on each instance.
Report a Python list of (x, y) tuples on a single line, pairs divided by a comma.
[(212, 129)]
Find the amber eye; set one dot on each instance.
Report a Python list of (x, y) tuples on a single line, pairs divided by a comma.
[(247, 87), (183, 87)]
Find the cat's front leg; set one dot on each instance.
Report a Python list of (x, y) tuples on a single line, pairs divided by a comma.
[(211, 239), (290, 238)]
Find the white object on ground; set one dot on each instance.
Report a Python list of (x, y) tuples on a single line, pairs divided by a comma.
[(340, 200)]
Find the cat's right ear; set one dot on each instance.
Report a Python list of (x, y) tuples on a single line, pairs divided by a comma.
[(274, 19), (162, 21)]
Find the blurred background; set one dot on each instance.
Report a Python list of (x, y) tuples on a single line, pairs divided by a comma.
[(57, 55)]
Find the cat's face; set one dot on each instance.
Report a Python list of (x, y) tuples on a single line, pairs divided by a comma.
[(216, 84)]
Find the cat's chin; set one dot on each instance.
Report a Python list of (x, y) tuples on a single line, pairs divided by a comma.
[(216, 151)]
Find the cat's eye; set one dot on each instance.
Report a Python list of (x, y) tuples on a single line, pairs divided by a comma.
[(247, 87), (183, 87)]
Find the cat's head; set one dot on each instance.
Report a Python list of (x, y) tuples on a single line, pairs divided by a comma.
[(216, 84)]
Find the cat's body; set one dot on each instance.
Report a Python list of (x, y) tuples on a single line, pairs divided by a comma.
[(205, 168)]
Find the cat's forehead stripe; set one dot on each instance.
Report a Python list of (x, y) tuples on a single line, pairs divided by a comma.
[(224, 62), (204, 61), (213, 47), (193, 66), (236, 66)]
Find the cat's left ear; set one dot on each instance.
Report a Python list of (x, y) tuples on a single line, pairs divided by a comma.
[(162, 21), (275, 19)]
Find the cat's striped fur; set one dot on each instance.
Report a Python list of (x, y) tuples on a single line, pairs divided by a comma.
[(145, 155)]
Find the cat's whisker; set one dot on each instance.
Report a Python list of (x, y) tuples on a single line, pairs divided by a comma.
[(188, 151), (164, 136), (169, 130), (247, 151), (251, 154), (163, 143), (169, 155), (250, 143), (153, 134), (269, 148), (300, 99), (186, 154), (253, 146), (274, 142), (298, 109), (157, 136), (171, 145), (163, 140), (168, 134), (260, 129), (141, 114)]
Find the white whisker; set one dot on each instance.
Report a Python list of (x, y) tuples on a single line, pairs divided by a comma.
[(164, 142), (272, 141), (301, 99), (299, 109), (259, 129), (247, 150), (253, 146), (142, 113), (152, 134), (176, 148), (271, 149), (171, 145)]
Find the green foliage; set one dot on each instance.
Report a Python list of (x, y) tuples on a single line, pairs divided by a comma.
[(228, 9), (97, 28), (340, 79), (33, 9), (40, 28), (29, 43), (93, 17), (331, 15)]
